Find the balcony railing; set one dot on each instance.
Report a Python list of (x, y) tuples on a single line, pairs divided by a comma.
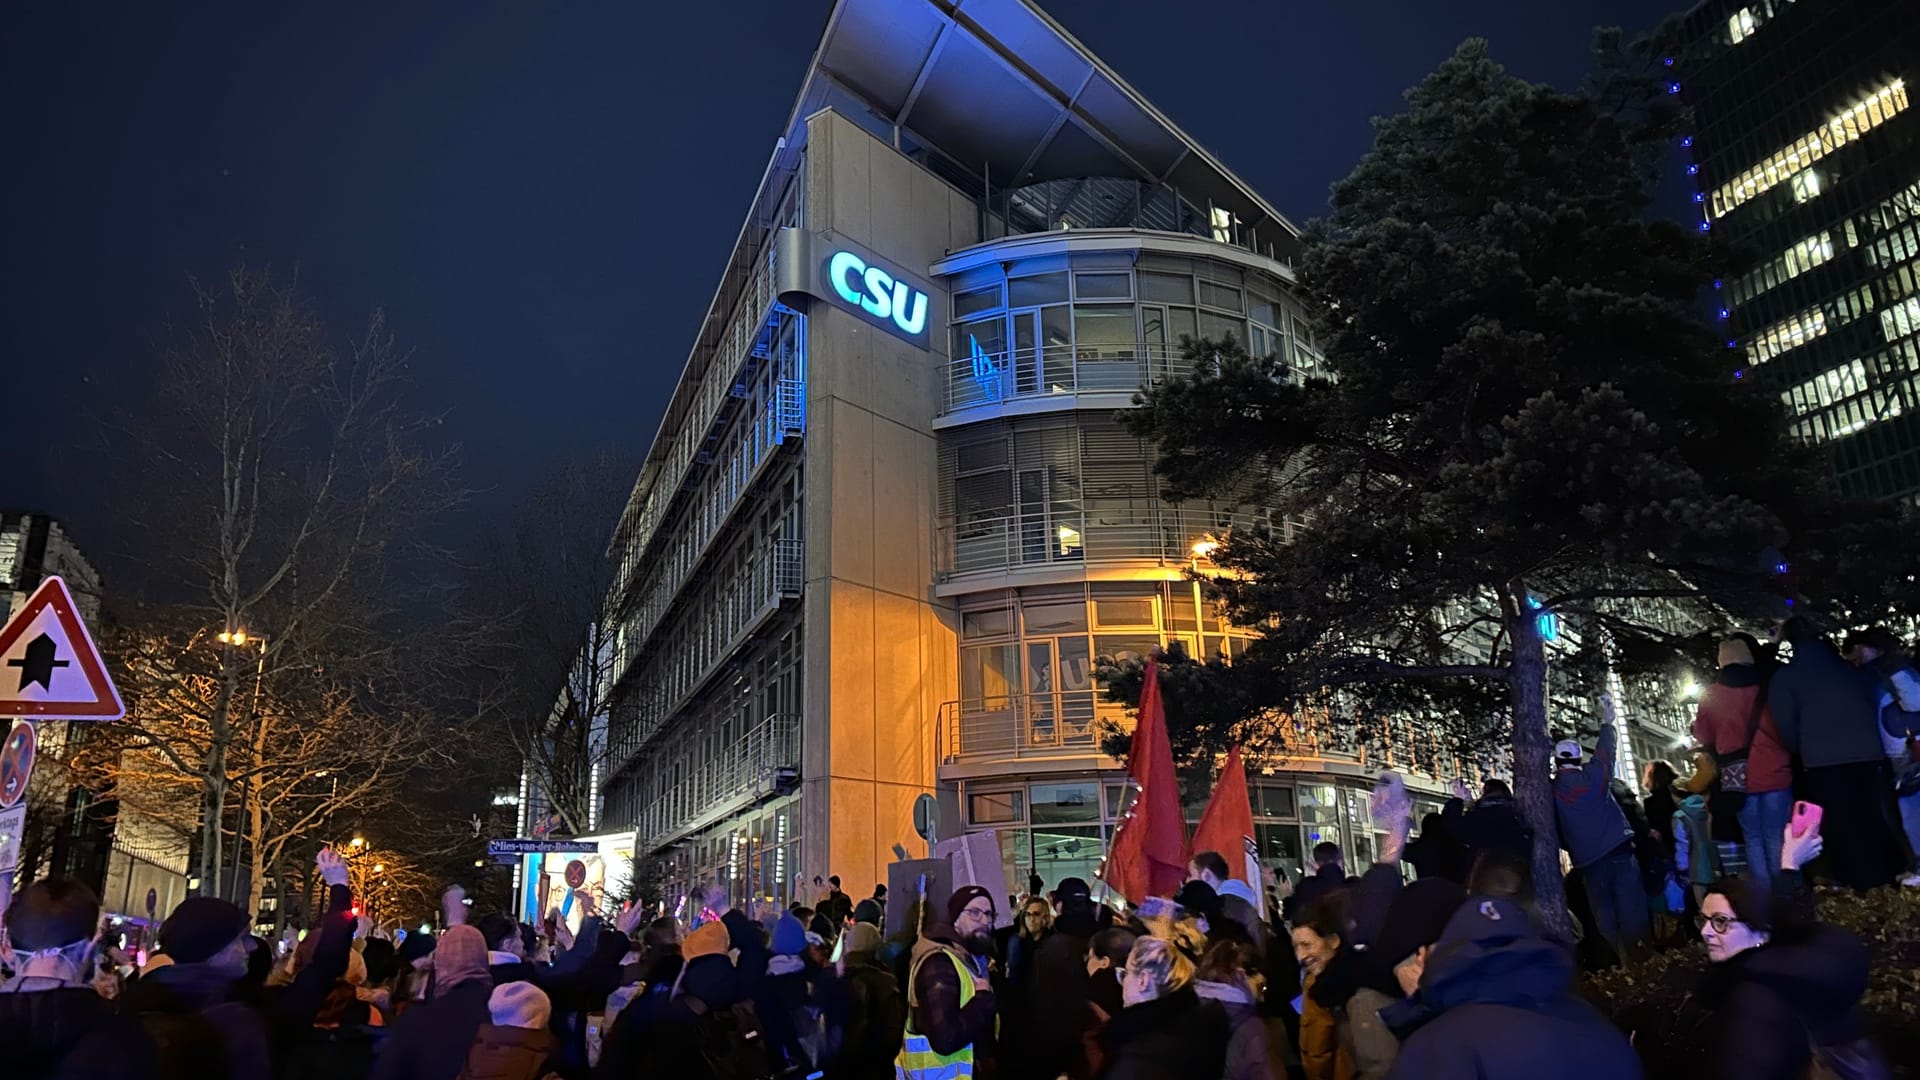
[(1071, 538), (983, 378), (1066, 723), (742, 773)]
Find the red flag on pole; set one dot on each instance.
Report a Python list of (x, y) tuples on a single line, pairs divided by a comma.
[(1227, 824), (1148, 855)]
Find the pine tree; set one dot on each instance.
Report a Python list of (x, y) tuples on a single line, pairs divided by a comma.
[(1523, 428)]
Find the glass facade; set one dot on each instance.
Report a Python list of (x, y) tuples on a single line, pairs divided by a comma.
[(1806, 151)]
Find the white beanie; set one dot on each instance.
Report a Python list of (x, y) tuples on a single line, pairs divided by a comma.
[(520, 1005)]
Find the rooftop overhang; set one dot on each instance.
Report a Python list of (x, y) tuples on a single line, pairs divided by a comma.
[(1004, 90)]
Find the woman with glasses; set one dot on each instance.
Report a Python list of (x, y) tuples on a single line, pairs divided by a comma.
[(1165, 1032), (1785, 989)]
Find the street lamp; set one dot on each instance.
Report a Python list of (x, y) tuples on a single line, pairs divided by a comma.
[(238, 638)]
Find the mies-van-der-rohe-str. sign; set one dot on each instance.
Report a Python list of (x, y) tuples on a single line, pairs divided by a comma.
[(850, 276)]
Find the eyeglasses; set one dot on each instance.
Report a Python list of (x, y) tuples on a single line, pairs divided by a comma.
[(1720, 923), (988, 914)]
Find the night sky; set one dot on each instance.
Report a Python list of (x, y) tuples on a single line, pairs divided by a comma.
[(540, 194)]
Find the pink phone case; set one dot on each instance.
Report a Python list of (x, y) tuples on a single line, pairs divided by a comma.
[(1806, 816)]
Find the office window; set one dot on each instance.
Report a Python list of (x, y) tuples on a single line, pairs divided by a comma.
[(996, 808), (1793, 262), (1806, 184), (1741, 25), (1788, 334), (1845, 126)]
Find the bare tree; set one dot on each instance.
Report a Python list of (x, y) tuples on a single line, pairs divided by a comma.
[(280, 481), (552, 669)]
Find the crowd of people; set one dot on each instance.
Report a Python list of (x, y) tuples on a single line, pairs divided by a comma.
[(1457, 972)]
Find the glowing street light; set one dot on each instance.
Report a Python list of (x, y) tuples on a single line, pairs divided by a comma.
[(1204, 547)]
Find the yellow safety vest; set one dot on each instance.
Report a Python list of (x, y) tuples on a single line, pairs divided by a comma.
[(917, 1060)]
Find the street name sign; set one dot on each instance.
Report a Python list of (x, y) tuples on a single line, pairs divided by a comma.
[(540, 847)]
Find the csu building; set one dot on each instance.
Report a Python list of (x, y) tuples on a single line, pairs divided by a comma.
[(889, 525), (1805, 153)]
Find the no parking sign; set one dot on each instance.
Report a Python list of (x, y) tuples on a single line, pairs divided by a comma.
[(16, 768)]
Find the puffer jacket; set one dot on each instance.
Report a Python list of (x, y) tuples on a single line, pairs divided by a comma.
[(1776, 1001), (1321, 1055), (1494, 1004), (510, 1053)]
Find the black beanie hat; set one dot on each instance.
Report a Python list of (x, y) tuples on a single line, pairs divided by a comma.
[(1418, 915), (866, 911), (962, 896), (53, 913), (200, 927)]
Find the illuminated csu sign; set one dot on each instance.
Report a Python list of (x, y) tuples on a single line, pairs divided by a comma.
[(878, 293)]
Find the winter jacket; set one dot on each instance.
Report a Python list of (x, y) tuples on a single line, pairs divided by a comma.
[(1495, 824), (1693, 849), (1367, 1037), (1592, 825), (1250, 1056), (1826, 710), (1060, 980), (1773, 1002), (72, 1033), (1353, 987), (872, 1020), (670, 1044), (1321, 1055), (430, 1041), (1723, 718), (1494, 1004), (1176, 1037), (935, 1002), (510, 1053)]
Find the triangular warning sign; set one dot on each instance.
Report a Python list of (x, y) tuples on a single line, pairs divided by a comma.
[(48, 665)]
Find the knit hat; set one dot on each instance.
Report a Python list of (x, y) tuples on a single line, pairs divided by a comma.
[(200, 927), (1418, 915), (418, 944), (866, 911), (1198, 898), (962, 896), (709, 940), (460, 956), (52, 913), (861, 939), (789, 937), (520, 1005), (1072, 886)]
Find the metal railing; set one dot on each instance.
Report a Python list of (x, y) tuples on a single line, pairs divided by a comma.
[(741, 773), (1067, 538), (989, 378), (1066, 723)]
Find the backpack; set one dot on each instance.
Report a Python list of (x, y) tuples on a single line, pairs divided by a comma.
[(731, 1042)]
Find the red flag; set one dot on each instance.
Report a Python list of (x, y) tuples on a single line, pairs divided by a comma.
[(1227, 825), (1148, 856)]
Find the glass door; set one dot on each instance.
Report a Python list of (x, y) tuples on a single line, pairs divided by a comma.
[(1025, 358), (1036, 539)]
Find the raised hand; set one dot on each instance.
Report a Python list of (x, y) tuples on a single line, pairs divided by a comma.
[(333, 868), (453, 905), (629, 918)]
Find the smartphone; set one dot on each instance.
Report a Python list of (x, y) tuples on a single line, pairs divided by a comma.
[(1806, 818)]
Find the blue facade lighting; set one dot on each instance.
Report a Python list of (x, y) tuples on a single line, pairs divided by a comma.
[(1686, 140), (1673, 88)]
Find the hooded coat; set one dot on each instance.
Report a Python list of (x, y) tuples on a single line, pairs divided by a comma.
[(1494, 1004), (1773, 1003), (1250, 1051)]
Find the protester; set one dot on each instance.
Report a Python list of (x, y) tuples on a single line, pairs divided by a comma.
[(1734, 724), (514, 1043), (1828, 712), (837, 907), (1598, 840), (189, 1006), (1329, 875), (1165, 1032), (1229, 976), (1884, 654), (873, 1015), (1494, 823), (787, 1004), (1439, 852), (951, 1004), (1493, 1003), (1062, 980), (1785, 989), (508, 945), (1237, 901), (431, 1039), (1319, 932), (1694, 853), (53, 1024)]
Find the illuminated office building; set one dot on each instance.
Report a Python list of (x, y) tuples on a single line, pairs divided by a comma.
[(889, 523), (1805, 152)]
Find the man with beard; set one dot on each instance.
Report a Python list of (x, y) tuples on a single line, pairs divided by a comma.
[(950, 1003)]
